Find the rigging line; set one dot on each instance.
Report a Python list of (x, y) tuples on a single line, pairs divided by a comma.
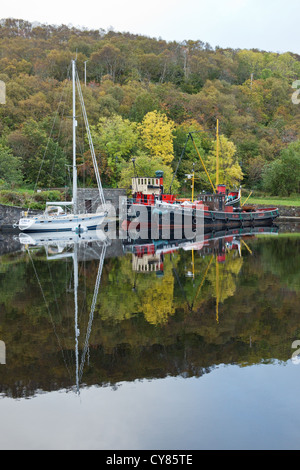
[(96, 169), (81, 146), (202, 281), (46, 149), (135, 174), (68, 277), (134, 168), (57, 145), (81, 274), (139, 168), (180, 286), (178, 164), (50, 315), (54, 293), (93, 306)]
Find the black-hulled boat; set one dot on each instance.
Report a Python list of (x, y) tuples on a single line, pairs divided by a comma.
[(150, 205)]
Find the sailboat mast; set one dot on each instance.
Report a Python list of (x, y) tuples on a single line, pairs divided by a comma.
[(217, 162), (74, 140)]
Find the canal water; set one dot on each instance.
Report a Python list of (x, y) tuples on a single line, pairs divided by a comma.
[(111, 344)]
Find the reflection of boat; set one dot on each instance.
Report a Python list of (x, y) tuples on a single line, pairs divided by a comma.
[(148, 257), (64, 246), (148, 254), (55, 218), (60, 238)]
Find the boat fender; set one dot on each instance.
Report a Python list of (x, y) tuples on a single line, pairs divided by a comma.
[(79, 229), (156, 212)]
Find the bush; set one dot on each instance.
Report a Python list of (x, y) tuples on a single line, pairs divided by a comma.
[(45, 196), (25, 199), (282, 176), (36, 206), (13, 198)]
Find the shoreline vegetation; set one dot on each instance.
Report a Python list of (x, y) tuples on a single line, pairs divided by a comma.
[(31, 199), (143, 97)]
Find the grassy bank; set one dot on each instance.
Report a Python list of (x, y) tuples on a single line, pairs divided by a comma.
[(293, 201)]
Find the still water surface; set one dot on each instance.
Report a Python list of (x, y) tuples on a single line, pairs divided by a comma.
[(111, 345)]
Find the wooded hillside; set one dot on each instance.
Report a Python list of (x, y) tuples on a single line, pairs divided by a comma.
[(143, 96)]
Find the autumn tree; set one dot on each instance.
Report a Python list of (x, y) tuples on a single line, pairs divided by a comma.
[(108, 61), (230, 172), (156, 132)]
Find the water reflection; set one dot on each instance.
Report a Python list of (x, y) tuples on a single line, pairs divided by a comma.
[(61, 246), (78, 311)]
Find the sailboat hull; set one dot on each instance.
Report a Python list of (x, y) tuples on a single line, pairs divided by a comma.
[(62, 223)]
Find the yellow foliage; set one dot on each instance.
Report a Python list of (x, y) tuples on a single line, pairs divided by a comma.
[(230, 172), (158, 300), (227, 277), (156, 132)]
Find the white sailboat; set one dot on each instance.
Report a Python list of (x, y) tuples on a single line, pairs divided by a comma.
[(55, 218)]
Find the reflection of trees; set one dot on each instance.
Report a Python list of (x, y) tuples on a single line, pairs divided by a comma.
[(157, 303), (223, 277), (142, 324), (208, 279), (129, 293), (282, 259)]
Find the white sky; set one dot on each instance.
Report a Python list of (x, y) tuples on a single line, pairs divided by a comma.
[(270, 25)]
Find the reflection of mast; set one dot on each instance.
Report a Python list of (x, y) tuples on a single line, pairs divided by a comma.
[(91, 317), (95, 296), (193, 182), (74, 241), (245, 244), (77, 332), (193, 264), (217, 290), (203, 279)]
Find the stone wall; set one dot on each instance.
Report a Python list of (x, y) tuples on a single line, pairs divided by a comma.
[(88, 199), (9, 215)]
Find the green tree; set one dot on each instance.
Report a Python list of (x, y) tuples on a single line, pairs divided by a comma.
[(116, 136), (115, 139), (44, 162), (282, 176), (10, 167)]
